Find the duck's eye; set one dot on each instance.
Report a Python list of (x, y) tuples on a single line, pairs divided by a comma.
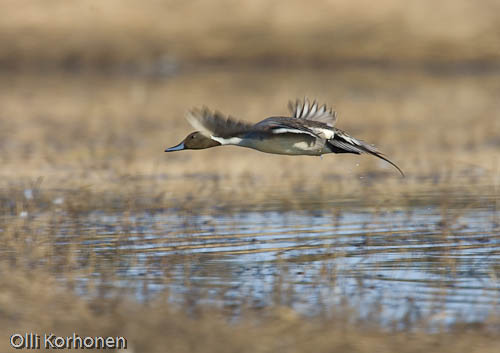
[(192, 136)]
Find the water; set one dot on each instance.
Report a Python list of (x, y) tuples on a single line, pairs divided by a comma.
[(395, 265)]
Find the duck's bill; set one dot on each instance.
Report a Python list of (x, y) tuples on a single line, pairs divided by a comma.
[(179, 147)]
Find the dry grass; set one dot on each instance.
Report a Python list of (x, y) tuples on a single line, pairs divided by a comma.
[(106, 136), (135, 35), (74, 141), (441, 129), (35, 302), (87, 143)]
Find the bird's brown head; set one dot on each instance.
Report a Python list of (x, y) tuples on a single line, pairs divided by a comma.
[(194, 141)]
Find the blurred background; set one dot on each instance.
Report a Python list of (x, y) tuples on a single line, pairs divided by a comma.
[(98, 222), (91, 84)]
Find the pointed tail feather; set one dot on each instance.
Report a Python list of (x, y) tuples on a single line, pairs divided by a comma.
[(343, 143)]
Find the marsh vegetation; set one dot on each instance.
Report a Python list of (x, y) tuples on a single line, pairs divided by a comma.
[(229, 249)]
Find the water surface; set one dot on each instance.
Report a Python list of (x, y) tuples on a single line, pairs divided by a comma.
[(398, 265)]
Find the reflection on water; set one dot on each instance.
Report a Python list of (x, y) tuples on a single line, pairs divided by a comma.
[(398, 265)]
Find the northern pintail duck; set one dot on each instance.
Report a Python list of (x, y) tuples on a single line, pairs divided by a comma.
[(310, 131)]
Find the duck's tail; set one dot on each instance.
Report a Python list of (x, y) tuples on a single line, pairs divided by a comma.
[(343, 143)]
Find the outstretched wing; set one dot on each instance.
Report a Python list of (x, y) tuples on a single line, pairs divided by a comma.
[(216, 124), (305, 110)]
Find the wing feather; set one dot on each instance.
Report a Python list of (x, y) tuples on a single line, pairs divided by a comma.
[(216, 124), (305, 110)]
